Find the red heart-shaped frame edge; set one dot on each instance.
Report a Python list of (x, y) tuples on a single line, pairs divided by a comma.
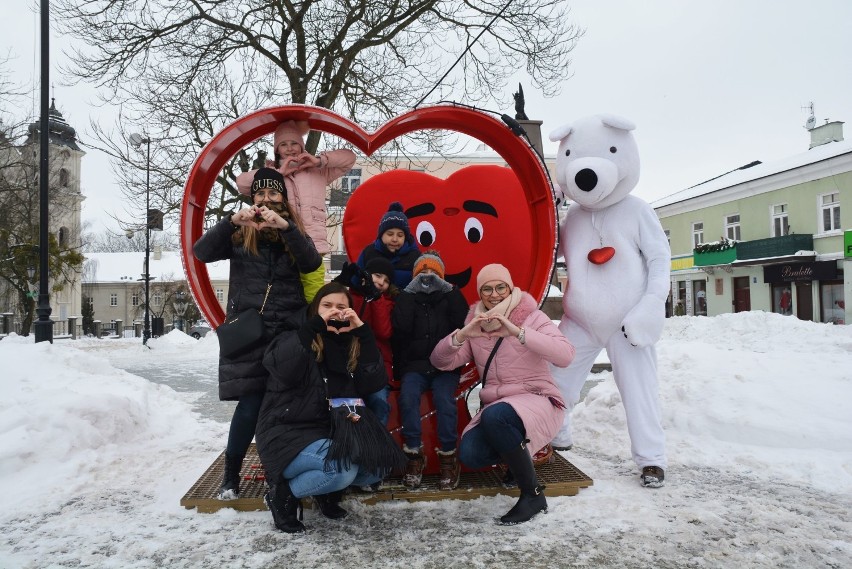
[(215, 155)]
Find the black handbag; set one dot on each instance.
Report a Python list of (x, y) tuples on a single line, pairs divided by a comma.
[(242, 332)]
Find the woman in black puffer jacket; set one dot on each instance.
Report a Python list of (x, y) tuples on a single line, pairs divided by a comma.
[(268, 248)]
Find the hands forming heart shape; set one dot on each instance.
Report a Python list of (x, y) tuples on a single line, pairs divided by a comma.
[(259, 217), (293, 164)]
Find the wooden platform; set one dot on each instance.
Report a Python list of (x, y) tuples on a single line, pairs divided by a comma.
[(560, 476)]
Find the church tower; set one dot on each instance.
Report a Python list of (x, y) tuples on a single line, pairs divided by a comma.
[(66, 201)]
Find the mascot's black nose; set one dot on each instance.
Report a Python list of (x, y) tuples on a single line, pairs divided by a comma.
[(586, 179)]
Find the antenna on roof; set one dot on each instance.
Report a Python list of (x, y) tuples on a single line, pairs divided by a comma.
[(811, 122)]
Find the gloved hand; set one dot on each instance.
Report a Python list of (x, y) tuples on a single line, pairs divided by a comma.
[(358, 280)]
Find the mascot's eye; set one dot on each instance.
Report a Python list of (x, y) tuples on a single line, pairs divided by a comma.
[(473, 230), (613, 149), (568, 152), (425, 233)]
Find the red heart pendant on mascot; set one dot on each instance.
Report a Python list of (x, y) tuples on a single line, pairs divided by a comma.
[(532, 198), (601, 256)]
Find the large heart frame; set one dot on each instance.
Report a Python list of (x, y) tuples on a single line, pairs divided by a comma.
[(515, 150)]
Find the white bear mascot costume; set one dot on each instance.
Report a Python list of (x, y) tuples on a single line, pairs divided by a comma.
[(618, 262)]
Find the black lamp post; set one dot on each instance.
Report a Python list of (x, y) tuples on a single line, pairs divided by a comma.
[(138, 140), (44, 325)]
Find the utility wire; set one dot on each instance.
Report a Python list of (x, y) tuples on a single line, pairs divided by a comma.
[(470, 45)]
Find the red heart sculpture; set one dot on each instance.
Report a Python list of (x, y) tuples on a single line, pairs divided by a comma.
[(519, 156), (477, 216), (601, 256)]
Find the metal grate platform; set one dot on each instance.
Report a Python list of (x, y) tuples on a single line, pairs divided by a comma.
[(560, 476)]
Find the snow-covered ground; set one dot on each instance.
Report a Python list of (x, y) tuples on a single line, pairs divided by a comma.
[(94, 460)]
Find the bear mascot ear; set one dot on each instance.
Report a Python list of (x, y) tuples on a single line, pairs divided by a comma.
[(560, 133), (615, 121)]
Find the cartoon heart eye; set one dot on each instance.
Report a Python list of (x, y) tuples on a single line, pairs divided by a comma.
[(425, 233), (473, 230)]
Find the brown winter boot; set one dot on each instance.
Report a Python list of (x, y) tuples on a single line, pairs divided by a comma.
[(450, 470), (414, 469)]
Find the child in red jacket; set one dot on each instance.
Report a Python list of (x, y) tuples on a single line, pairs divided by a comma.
[(374, 307)]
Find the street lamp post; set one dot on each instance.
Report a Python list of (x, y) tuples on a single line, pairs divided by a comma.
[(44, 324), (138, 140)]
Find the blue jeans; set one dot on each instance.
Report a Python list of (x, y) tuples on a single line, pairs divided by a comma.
[(244, 423), (499, 430), (310, 476), (443, 388), (378, 403)]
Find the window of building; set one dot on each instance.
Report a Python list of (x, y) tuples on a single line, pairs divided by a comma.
[(697, 234), (220, 294), (782, 299), (668, 237), (780, 223), (63, 236), (91, 301), (830, 205), (134, 299), (680, 301), (832, 303), (732, 227), (63, 178), (351, 180), (157, 299), (113, 299)]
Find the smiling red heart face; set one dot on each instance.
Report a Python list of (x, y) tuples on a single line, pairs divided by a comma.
[(477, 216), (531, 199)]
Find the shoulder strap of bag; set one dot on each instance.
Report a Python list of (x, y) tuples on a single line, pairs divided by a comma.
[(490, 357), (268, 288)]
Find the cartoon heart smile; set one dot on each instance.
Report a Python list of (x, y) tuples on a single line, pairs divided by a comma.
[(531, 267), (601, 256)]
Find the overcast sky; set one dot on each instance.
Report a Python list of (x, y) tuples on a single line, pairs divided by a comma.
[(710, 85)]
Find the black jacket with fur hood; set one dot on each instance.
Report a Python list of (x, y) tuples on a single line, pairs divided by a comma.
[(279, 262)]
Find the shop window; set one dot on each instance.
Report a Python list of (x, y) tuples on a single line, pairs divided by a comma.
[(830, 204), (780, 222), (699, 297), (832, 303), (782, 299), (697, 234), (732, 227), (680, 303)]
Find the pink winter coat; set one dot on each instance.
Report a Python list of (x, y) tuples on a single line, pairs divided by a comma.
[(519, 373), (306, 191)]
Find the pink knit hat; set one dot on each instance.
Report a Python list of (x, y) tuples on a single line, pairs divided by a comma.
[(291, 130), (493, 272)]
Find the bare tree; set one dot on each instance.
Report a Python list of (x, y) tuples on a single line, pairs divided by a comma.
[(184, 70), (111, 242)]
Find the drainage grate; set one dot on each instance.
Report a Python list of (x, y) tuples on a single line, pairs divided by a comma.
[(560, 476)]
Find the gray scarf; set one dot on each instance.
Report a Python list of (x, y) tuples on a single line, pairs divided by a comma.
[(428, 283)]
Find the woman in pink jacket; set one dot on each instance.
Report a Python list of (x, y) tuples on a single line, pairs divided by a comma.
[(306, 177), (511, 341)]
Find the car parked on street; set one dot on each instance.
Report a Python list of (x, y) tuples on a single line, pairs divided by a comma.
[(200, 329)]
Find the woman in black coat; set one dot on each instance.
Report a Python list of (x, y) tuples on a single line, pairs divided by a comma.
[(267, 248), (315, 436)]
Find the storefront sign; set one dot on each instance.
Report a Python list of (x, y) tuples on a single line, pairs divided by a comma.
[(797, 272), (847, 243)]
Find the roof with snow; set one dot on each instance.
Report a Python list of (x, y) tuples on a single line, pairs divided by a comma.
[(759, 170), (118, 267)]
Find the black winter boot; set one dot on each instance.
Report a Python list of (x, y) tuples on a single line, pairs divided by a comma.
[(230, 488), (285, 507), (532, 499), (329, 505)]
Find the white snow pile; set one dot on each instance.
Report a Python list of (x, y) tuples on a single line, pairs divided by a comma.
[(94, 461)]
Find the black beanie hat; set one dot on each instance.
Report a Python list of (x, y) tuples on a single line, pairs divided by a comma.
[(382, 266), (394, 218), (268, 179)]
